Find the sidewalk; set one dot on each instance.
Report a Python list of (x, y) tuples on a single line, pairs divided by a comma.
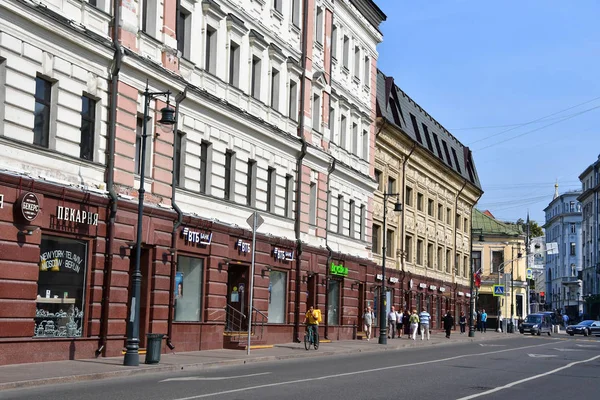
[(37, 374)]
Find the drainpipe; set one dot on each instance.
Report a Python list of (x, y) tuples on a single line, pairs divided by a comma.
[(456, 227), (299, 162), (110, 166), (178, 99), (402, 228), (329, 250)]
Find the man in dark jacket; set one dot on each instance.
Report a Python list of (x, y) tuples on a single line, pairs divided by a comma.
[(448, 324)]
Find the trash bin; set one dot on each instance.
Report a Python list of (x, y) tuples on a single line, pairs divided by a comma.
[(153, 347)]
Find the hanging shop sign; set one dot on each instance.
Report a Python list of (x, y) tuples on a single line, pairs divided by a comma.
[(282, 255), (1, 201), (442, 289), (393, 280), (338, 270), (468, 294), (242, 247), (196, 237), (432, 287), (461, 293), (379, 277), (423, 285), (76, 215), (29, 206)]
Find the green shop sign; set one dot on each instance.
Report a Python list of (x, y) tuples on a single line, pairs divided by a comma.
[(339, 270)]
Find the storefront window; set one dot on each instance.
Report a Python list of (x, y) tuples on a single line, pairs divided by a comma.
[(188, 289), (333, 303), (61, 283), (277, 291)]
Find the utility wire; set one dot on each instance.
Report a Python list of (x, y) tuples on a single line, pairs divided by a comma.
[(537, 129), (515, 126)]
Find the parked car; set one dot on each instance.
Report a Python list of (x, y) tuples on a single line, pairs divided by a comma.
[(536, 324), (582, 328), (595, 328)]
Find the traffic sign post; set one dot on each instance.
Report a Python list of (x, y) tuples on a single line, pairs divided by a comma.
[(255, 221), (499, 290)]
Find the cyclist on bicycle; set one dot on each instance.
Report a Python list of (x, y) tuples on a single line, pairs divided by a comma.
[(312, 319)]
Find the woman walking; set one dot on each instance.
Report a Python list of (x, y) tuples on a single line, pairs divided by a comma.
[(448, 324), (462, 322), (406, 323)]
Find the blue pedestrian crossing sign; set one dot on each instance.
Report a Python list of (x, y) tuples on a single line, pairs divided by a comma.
[(529, 273), (498, 290)]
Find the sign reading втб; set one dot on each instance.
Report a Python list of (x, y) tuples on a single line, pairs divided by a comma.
[(498, 290)]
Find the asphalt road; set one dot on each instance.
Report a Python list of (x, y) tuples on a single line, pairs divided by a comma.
[(520, 368)]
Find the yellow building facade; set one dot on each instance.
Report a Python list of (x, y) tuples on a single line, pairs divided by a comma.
[(421, 165)]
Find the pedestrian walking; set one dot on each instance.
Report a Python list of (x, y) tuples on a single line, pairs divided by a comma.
[(462, 321), (479, 320), (424, 317), (399, 316), (414, 324), (392, 323), (565, 320), (368, 318), (500, 323), (448, 324), (483, 320), (406, 323)]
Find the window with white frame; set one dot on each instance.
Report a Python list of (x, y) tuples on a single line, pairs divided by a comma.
[(332, 123), (43, 105), (288, 200), (256, 73), (346, 55), (408, 248), (312, 210), (275, 89), (343, 133), (316, 112), (251, 184), (296, 12), (271, 188), (88, 128), (357, 62), (293, 101), (334, 39), (229, 175), (205, 166), (139, 131), (363, 220), (319, 26), (149, 17), (179, 158), (352, 218), (354, 138), (234, 64), (184, 32), (367, 71), (2, 92), (419, 251), (211, 50), (278, 6), (365, 145), (340, 215)]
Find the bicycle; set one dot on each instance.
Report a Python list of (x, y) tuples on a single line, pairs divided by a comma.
[(311, 337)]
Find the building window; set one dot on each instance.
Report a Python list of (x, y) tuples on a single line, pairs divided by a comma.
[(149, 9), (572, 247), (391, 186), (357, 62), (319, 26), (408, 248), (139, 131), (378, 176), (572, 227), (256, 68), (60, 287), (365, 143), (275, 89), (430, 255), (497, 260), (289, 190), (184, 31), (440, 258), (229, 174), (211, 50), (346, 55), (408, 197), (457, 265), (457, 222), (312, 210), (251, 184), (476, 261), (375, 246), (277, 5), (332, 124), (354, 138), (2, 92), (271, 188), (389, 243), (296, 12), (465, 266), (343, 133), (316, 112), (333, 302), (43, 103), (352, 218), (448, 261), (440, 212), (178, 159), (448, 215), (466, 225), (340, 215), (430, 206), (188, 289), (367, 71), (293, 103), (420, 201), (277, 297), (334, 42), (363, 219), (234, 64), (419, 251), (205, 166), (88, 125)]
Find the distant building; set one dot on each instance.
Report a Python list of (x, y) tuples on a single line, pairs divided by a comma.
[(537, 264), (589, 198), (563, 270)]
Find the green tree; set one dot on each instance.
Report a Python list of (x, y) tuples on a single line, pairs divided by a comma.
[(534, 229)]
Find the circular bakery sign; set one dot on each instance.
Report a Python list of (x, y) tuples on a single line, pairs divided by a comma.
[(30, 206)]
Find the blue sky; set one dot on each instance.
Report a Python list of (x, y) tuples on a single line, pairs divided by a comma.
[(494, 65)]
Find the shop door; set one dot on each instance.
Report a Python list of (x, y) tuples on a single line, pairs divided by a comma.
[(145, 288), (407, 304), (362, 305), (311, 292), (237, 298)]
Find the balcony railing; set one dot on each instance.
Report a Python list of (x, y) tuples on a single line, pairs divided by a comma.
[(567, 280)]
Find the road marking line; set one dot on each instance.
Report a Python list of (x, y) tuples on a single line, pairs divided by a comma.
[(202, 396), (217, 378), (567, 349), (541, 355), (587, 345), (515, 383)]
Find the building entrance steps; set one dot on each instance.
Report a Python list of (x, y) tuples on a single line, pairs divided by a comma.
[(57, 372)]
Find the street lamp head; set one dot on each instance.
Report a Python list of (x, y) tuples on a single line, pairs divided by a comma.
[(168, 116), (398, 207), (481, 238)]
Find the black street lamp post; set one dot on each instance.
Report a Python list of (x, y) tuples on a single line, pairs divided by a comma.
[(472, 298), (132, 345), (382, 299)]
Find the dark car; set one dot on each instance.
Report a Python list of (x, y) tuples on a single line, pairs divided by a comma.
[(582, 328), (536, 324)]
